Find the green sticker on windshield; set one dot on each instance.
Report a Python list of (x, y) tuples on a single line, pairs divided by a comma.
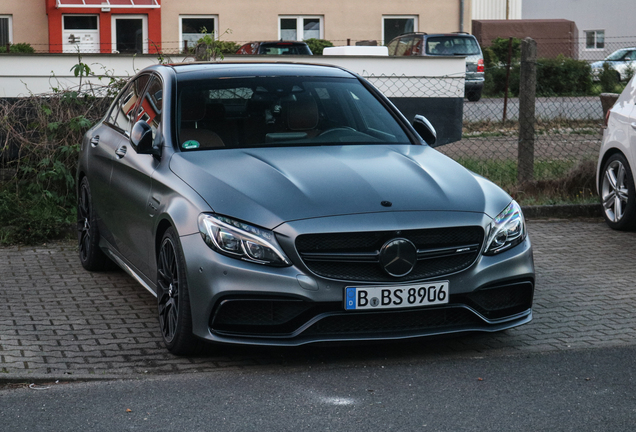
[(191, 144)]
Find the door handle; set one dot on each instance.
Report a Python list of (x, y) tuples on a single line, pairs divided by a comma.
[(633, 125), (95, 141), (121, 152)]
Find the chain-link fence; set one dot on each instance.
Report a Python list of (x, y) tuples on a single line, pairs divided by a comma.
[(566, 123)]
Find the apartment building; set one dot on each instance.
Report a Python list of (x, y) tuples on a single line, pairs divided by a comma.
[(146, 26)]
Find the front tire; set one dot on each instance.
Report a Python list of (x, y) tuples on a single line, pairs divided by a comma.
[(618, 195), (175, 317), (91, 256)]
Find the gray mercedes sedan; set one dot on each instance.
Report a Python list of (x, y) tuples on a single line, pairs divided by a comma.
[(285, 204)]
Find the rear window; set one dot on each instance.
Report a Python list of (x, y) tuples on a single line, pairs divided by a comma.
[(452, 45), (284, 49), (281, 111)]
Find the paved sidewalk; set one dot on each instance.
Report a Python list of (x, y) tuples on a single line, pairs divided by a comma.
[(57, 319)]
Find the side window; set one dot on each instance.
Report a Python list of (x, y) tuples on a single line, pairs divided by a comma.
[(417, 46), (123, 114), (151, 104), (392, 46), (404, 46)]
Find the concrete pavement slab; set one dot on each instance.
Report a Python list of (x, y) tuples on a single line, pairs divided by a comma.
[(58, 320)]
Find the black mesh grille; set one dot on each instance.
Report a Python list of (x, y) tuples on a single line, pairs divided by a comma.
[(500, 301), (266, 316), (372, 242)]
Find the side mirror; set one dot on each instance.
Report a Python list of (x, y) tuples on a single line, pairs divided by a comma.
[(425, 129), (141, 139)]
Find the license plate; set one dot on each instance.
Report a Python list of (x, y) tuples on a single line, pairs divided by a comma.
[(395, 297)]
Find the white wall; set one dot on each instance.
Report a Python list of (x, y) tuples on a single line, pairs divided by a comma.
[(21, 75), (615, 17), (496, 9)]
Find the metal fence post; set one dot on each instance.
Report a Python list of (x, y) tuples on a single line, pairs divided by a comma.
[(527, 95)]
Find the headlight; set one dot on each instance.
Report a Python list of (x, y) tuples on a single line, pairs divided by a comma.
[(506, 231), (240, 240)]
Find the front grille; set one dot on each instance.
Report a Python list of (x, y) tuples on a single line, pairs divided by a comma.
[(355, 256), (288, 318)]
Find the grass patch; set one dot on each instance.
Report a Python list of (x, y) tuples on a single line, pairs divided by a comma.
[(556, 181)]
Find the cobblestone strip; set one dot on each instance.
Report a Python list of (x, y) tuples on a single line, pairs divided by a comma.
[(56, 318)]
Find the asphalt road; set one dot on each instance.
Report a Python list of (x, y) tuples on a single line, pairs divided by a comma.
[(577, 390), (547, 108)]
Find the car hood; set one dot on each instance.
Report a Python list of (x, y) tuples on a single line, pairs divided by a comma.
[(270, 186)]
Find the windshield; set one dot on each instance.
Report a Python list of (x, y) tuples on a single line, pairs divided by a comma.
[(281, 111), (617, 55), (452, 45)]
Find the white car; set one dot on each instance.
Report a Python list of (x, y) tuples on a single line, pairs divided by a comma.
[(617, 162), (623, 61)]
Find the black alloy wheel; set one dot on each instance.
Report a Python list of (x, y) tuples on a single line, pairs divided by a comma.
[(91, 256), (175, 319)]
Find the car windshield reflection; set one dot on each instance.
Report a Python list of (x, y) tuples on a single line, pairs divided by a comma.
[(281, 111)]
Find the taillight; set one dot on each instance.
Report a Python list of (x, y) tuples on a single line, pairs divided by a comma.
[(607, 118), (480, 65)]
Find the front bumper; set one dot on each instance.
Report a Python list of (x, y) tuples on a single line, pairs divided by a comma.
[(239, 302)]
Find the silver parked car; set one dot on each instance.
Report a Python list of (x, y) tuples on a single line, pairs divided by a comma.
[(622, 61), (451, 44), (617, 162), (284, 204)]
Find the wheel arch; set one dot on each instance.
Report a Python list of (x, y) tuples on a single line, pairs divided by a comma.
[(162, 227), (608, 154)]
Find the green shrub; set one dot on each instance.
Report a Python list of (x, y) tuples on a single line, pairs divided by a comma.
[(563, 76), (19, 48), (499, 49), (608, 78), (317, 45)]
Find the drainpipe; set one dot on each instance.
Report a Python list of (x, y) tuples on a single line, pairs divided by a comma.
[(461, 15)]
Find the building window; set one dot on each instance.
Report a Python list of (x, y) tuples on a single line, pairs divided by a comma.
[(80, 33), (393, 26), (300, 27), (6, 32), (194, 27), (595, 39), (129, 34)]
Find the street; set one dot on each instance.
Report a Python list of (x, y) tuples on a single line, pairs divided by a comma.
[(575, 390), (547, 108)]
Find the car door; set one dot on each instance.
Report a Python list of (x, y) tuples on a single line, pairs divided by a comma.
[(104, 142), (131, 183)]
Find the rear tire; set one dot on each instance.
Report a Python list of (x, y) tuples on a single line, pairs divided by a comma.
[(90, 254), (474, 95), (175, 316), (617, 193)]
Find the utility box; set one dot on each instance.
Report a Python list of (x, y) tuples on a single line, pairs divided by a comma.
[(553, 36)]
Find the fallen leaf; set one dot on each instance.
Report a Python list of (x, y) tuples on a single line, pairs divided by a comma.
[(128, 410)]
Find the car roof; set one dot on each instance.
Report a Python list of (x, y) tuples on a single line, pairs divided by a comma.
[(282, 42), (456, 34), (186, 71)]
